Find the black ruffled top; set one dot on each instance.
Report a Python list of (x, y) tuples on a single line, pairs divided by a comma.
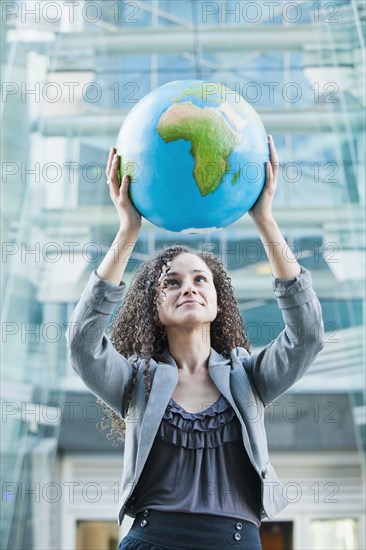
[(207, 429), (198, 464)]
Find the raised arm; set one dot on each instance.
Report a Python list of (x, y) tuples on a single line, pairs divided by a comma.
[(287, 358), (102, 368), (283, 263), (114, 263)]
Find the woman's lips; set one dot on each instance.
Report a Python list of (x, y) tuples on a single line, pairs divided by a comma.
[(189, 302)]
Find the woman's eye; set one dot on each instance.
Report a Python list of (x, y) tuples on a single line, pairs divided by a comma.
[(170, 282)]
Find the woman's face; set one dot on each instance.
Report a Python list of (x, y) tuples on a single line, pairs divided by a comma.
[(187, 292)]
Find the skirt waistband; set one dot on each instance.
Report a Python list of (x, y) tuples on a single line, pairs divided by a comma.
[(198, 531)]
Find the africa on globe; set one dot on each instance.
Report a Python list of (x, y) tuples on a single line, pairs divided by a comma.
[(195, 152)]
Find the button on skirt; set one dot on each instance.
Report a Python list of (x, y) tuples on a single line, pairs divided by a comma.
[(155, 530)]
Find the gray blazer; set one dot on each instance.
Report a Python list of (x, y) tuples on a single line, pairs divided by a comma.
[(249, 382)]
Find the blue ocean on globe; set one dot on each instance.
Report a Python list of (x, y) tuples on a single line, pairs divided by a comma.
[(195, 152)]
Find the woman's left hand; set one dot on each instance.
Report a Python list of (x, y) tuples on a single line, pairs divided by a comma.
[(262, 208)]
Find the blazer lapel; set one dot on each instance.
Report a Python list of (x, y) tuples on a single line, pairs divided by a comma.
[(162, 387), (219, 369)]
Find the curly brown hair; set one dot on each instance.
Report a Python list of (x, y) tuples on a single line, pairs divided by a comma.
[(137, 331)]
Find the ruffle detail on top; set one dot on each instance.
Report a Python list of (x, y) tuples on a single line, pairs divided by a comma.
[(207, 429)]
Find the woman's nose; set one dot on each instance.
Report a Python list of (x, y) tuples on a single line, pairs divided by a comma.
[(189, 288)]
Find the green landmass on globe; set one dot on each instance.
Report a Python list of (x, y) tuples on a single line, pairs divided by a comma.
[(212, 139), (195, 91)]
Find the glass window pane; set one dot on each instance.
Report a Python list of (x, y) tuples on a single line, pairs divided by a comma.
[(97, 535), (339, 534)]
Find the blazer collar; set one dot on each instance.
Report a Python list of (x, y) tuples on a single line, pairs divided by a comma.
[(220, 376), (215, 359)]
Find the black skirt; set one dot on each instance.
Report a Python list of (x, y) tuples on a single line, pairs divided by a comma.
[(154, 530)]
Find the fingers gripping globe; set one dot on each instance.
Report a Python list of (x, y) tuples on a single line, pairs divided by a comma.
[(195, 152)]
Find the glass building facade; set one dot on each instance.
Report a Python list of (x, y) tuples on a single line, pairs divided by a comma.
[(71, 71)]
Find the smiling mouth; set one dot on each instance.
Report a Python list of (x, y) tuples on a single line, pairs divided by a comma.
[(190, 302)]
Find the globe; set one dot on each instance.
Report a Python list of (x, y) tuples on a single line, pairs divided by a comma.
[(195, 152)]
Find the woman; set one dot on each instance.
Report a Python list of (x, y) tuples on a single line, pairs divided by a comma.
[(177, 377)]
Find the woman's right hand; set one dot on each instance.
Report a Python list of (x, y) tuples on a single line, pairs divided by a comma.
[(130, 218)]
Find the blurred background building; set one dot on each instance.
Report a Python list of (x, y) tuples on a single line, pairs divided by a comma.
[(71, 71)]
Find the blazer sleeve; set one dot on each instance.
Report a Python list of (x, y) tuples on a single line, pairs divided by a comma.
[(102, 368), (286, 359)]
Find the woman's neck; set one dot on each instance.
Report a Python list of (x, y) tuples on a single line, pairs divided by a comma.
[(190, 350)]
